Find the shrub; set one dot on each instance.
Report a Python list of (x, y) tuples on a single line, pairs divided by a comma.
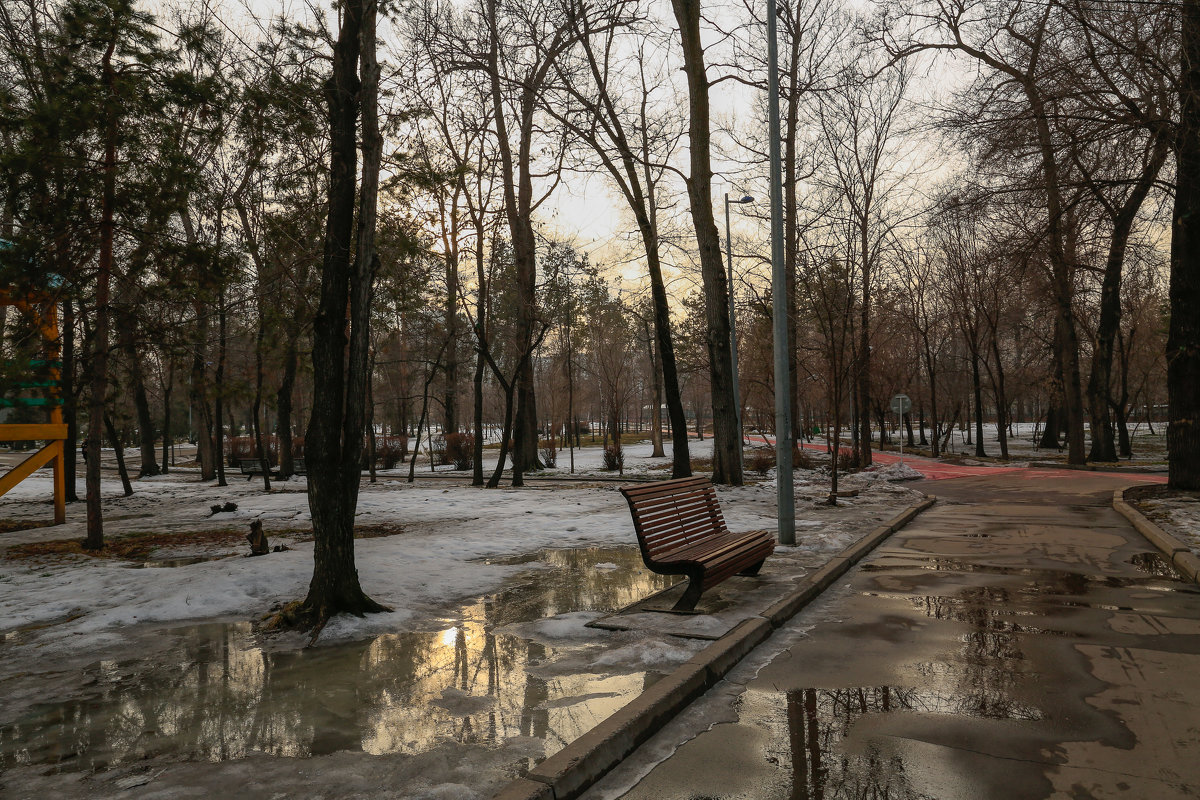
[(801, 458), (460, 450), (761, 461), (437, 450), (387, 455), (614, 458), (549, 454)]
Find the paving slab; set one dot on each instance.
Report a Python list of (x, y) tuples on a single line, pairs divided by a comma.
[(1018, 640)]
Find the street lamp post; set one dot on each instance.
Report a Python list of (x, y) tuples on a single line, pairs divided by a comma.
[(737, 397), (783, 412)]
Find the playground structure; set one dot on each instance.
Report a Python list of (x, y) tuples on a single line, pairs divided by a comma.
[(43, 313)]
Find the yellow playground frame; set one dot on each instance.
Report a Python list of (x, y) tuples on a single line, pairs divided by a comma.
[(45, 314)]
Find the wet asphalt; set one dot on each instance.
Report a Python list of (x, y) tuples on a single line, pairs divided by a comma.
[(1018, 640)]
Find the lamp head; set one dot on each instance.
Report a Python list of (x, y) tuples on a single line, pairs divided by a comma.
[(746, 199)]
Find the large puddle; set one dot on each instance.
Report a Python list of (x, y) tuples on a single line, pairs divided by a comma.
[(218, 693)]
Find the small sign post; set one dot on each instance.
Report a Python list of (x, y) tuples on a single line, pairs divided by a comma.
[(900, 406)]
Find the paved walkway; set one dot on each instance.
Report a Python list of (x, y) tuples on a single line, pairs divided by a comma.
[(1018, 640)]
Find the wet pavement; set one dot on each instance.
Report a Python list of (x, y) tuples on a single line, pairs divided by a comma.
[(219, 692), (1018, 640)]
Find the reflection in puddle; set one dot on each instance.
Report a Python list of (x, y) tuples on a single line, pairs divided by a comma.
[(818, 724), (1043, 581), (813, 729), (217, 694), (985, 608)]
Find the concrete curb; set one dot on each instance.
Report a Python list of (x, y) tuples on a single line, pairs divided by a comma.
[(570, 771), (1178, 553), (1118, 470)]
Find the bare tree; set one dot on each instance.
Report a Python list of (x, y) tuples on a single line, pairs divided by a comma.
[(727, 441)]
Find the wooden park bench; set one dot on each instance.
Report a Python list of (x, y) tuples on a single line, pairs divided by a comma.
[(253, 466), (681, 531)]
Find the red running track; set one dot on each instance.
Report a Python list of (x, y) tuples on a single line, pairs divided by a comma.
[(936, 470)]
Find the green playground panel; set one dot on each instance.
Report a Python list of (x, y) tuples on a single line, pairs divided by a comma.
[(30, 402)]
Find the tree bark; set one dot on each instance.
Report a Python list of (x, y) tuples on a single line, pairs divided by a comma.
[(114, 439), (340, 345), (283, 405), (141, 404), (1183, 333), (70, 402), (727, 466), (1099, 388), (98, 363)]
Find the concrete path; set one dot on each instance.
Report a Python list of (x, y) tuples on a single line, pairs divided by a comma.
[(1018, 640)]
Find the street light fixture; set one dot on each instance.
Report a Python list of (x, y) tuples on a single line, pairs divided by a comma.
[(737, 397)]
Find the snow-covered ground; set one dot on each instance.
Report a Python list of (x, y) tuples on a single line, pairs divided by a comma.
[(458, 565), (1178, 513), (1148, 444)]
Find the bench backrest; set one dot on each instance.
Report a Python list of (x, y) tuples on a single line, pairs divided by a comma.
[(670, 514)]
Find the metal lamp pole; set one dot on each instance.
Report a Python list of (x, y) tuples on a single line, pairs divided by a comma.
[(785, 497), (737, 396)]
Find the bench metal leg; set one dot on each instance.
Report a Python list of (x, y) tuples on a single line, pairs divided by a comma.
[(691, 596), (752, 570)]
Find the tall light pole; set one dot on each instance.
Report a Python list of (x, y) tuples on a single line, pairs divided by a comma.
[(785, 497), (737, 396)]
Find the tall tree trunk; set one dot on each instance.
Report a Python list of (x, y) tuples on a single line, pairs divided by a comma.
[(727, 465), (283, 404), (1001, 398), (480, 350), (863, 396), (168, 385), (198, 396), (656, 437), (137, 385), (518, 199), (118, 446), (222, 353), (256, 413), (1183, 333), (1099, 387), (977, 389), (1121, 406), (98, 363), (334, 437), (70, 401)]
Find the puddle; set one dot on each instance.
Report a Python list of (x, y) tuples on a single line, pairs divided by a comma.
[(1044, 580), (813, 729), (217, 693)]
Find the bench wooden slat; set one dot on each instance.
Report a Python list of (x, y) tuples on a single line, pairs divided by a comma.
[(681, 531)]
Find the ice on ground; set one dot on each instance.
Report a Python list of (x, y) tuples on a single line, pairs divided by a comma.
[(890, 472), (650, 654), (569, 626), (1178, 513)]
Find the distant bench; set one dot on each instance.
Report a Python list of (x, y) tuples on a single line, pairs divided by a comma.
[(681, 531), (256, 466), (253, 466)]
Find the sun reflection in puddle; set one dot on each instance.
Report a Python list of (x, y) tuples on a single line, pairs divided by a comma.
[(217, 693)]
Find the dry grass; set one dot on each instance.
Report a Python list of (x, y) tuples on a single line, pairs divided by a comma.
[(10, 525), (141, 545), (134, 546)]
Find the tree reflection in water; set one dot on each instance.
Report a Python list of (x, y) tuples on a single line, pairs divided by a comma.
[(215, 694), (984, 680)]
